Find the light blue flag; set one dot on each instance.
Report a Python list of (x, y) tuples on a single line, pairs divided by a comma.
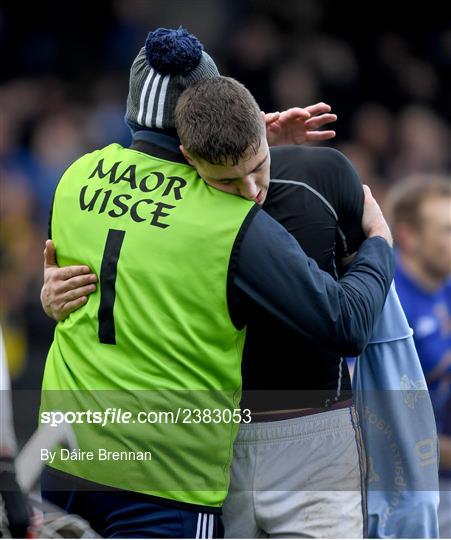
[(399, 431)]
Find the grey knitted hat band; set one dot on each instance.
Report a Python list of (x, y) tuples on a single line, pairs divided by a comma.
[(153, 96)]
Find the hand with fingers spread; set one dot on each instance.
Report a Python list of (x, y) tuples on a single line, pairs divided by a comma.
[(299, 125), (65, 289)]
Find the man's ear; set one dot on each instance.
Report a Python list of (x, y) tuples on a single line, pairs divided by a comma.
[(186, 155)]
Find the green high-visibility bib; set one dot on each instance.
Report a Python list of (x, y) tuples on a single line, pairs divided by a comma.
[(156, 338)]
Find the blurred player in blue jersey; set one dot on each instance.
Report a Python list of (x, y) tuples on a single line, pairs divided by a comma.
[(421, 213)]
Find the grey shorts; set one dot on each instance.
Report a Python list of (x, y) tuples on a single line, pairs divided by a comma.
[(298, 478)]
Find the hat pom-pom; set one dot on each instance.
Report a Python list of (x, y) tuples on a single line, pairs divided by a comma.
[(174, 52)]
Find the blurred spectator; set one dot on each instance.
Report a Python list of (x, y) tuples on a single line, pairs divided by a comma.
[(294, 83), (373, 128), (18, 236), (338, 73), (56, 142), (423, 143), (250, 57), (335, 61), (419, 80), (420, 210), (105, 121)]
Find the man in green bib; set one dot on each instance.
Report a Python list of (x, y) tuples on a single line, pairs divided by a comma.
[(149, 370)]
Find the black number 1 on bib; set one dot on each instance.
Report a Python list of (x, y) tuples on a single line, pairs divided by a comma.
[(108, 273)]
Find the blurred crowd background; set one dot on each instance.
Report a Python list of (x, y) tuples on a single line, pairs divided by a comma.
[(64, 83)]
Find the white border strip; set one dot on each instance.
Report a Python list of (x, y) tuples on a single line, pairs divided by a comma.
[(143, 97), (153, 90), (164, 86)]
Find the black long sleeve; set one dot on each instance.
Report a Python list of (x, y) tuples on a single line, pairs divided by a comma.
[(273, 272)]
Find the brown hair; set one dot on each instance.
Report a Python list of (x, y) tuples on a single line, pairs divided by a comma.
[(404, 201), (218, 120)]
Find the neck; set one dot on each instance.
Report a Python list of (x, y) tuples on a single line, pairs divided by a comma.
[(420, 274)]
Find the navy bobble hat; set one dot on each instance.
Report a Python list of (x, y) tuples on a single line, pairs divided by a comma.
[(170, 61)]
